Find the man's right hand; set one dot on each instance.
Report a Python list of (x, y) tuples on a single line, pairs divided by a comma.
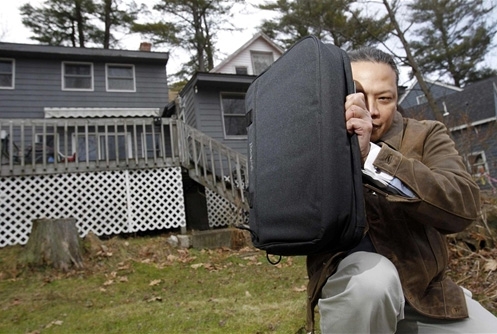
[(358, 120)]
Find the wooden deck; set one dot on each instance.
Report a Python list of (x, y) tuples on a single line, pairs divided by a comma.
[(54, 146), (46, 146)]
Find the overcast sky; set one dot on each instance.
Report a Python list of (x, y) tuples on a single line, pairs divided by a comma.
[(247, 18)]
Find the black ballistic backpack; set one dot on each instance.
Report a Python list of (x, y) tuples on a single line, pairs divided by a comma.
[(305, 187)]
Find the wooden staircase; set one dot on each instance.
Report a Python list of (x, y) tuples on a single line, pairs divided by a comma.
[(213, 164)]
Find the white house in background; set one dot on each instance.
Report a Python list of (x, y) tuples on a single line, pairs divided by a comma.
[(252, 58), (214, 102)]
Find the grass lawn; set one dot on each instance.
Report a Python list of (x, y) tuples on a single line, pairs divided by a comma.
[(143, 285)]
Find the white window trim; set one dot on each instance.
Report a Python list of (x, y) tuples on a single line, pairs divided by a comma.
[(119, 90), (226, 136), (421, 97), (13, 73), (63, 81), (39, 137), (484, 163)]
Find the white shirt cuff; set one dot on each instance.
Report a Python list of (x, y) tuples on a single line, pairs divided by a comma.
[(387, 180), (371, 170)]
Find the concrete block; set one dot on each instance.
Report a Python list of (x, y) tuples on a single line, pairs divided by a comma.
[(184, 241), (211, 239)]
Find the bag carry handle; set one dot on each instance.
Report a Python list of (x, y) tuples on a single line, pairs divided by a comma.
[(271, 261)]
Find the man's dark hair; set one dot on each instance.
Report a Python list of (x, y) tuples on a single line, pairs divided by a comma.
[(376, 56)]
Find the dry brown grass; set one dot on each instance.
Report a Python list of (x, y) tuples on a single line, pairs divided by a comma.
[(474, 257)]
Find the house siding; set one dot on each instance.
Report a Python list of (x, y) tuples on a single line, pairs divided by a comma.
[(437, 91), (38, 85), (210, 122), (189, 103), (244, 58)]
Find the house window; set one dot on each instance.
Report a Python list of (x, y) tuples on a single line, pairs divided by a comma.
[(49, 139), (7, 67), (421, 99), (77, 76), (44, 143), (261, 61), (477, 163), (120, 78), (151, 144), (101, 147), (241, 70), (233, 109)]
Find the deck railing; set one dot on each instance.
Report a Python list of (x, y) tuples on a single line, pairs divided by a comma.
[(213, 164), (45, 146), (50, 146)]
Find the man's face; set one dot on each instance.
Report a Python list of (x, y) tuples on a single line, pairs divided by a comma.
[(377, 81)]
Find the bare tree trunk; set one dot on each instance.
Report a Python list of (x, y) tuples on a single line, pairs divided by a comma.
[(415, 68), (54, 242)]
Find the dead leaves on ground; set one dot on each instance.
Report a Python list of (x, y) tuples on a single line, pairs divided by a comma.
[(214, 260), (490, 265), (473, 265), (50, 324)]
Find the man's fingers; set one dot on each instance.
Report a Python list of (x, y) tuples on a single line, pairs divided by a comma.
[(359, 126)]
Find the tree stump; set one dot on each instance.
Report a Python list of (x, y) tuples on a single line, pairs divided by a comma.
[(54, 242)]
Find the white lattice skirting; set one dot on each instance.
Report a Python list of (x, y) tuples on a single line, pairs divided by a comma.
[(220, 212), (109, 202)]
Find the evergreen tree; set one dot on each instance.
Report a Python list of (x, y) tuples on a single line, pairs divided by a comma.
[(60, 22), (77, 22), (335, 21), (109, 12), (193, 27), (454, 37)]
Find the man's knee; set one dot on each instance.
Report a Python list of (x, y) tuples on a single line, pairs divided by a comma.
[(365, 286), (369, 276)]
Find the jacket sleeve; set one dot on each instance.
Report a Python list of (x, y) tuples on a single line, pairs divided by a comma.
[(428, 163)]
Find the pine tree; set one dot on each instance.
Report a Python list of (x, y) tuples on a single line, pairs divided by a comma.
[(114, 18), (193, 27), (335, 21), (78, 22), (60, 22), (454, 37)]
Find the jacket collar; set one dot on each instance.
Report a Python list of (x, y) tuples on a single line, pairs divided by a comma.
[(394, 135)]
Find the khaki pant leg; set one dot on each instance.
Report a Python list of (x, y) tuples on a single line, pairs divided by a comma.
[(480, 321), (363, 296)]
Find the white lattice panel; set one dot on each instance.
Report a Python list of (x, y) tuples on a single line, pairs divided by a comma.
[(220, 212), (156, 199), (109, 202)]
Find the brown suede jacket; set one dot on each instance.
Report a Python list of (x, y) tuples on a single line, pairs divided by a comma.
[(411, 232)]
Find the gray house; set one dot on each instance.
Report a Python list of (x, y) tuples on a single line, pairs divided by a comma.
[(470, 114), (85, 134), (51, 82), (39, 81)]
